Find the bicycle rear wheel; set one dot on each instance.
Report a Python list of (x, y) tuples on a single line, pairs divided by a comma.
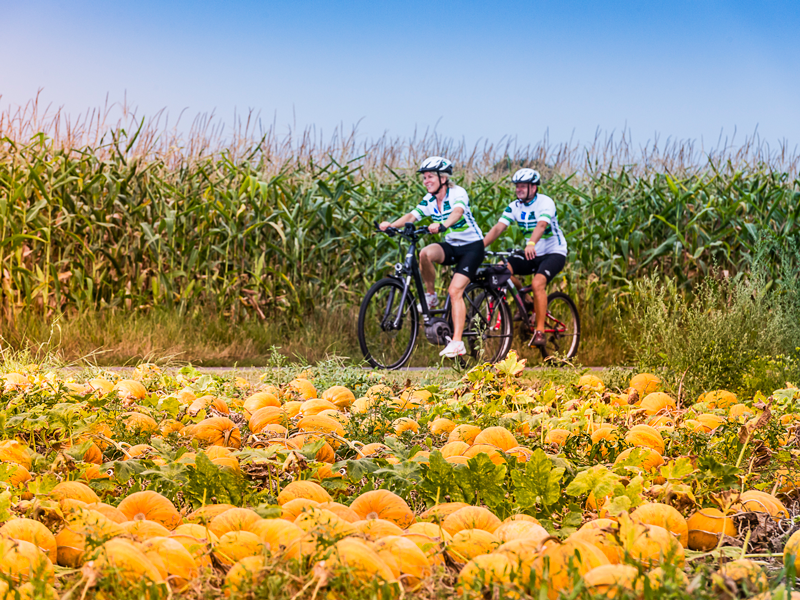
[(387, 332), (562, 327), (488, 330)]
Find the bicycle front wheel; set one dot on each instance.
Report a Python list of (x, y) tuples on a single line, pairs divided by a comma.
[(488, 329), (562, 327), (388, 324)]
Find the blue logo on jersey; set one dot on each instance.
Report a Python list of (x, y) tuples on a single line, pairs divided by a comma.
[(522, 216)]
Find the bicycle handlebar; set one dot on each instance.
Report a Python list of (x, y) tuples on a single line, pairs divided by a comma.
[(408, 230), (505, 253)]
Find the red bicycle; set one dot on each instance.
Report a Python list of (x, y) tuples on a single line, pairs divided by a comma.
[(562, 327)]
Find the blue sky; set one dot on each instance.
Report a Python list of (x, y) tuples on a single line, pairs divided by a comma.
[(472, 70)]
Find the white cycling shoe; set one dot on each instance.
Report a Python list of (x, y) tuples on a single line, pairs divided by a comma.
[(453, 349)]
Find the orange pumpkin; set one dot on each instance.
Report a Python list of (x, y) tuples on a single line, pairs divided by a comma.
[(22, 561), (441, 426), (412, 562), (471, 517), (645, 436), (180, 565), (440, 512), (469, 543), (269, 415), (235, 519), (74, 490), (31, 531), (303, 489), (125, 561), (499, 437), (645, 383), (663, 515), (340, 396), (556, 561), (657, 403), (235, 545), (374, 529), (383, 504), (303, 388), (354, 557), (608, 580), (493, 452), (464, 433), (218, 431), (130, 390), (151, 506), (485, 570), (71, 540), (705, 526)]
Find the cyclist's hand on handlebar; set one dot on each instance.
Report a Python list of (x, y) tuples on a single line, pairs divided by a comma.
[(384, 225), (436, 228), (530, 252)]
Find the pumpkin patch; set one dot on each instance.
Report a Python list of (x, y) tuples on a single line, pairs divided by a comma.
[(311, 484)]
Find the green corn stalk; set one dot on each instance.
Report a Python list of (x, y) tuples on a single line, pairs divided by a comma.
[(104, 227)]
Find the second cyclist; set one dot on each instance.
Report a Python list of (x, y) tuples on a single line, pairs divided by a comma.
[(546, 247)]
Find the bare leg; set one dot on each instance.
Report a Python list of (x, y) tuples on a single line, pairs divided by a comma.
[(427, 257), (456, 291), (540, 299)]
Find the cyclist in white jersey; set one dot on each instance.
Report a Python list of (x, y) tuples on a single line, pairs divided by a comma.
[(546, 248), (448, 205)]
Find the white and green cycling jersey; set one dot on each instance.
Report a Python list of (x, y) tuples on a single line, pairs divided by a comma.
[(466, 230), (527, 215)]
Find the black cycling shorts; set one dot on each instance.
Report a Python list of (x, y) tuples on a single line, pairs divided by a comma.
[(548, 265), (466, 257)]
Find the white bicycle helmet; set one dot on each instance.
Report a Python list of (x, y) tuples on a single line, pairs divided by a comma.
[(437, 164), (526, 176)]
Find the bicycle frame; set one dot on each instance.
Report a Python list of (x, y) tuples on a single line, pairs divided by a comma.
[(529, 318), (486, 308), (408, 272)]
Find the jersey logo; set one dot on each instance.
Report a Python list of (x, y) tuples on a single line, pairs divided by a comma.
[(446, 205), (466, 270), (508, 209), (522, 216)]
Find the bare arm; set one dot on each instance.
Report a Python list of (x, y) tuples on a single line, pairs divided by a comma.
[(454, 218), (494, 233), (406, 218), (538, 232)]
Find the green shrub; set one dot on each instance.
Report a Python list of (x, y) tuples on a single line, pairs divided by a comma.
[(740, 334)]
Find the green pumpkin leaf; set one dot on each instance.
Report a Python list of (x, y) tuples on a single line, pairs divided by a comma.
[(538, 487)]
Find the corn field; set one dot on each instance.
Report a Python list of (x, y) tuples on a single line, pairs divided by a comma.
[(131, 216)]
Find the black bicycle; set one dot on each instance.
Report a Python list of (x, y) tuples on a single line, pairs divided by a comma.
[(562, 324), (389, 319)]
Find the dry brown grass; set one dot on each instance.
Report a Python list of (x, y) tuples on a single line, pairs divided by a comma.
[(113, 338), (173, 141)]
